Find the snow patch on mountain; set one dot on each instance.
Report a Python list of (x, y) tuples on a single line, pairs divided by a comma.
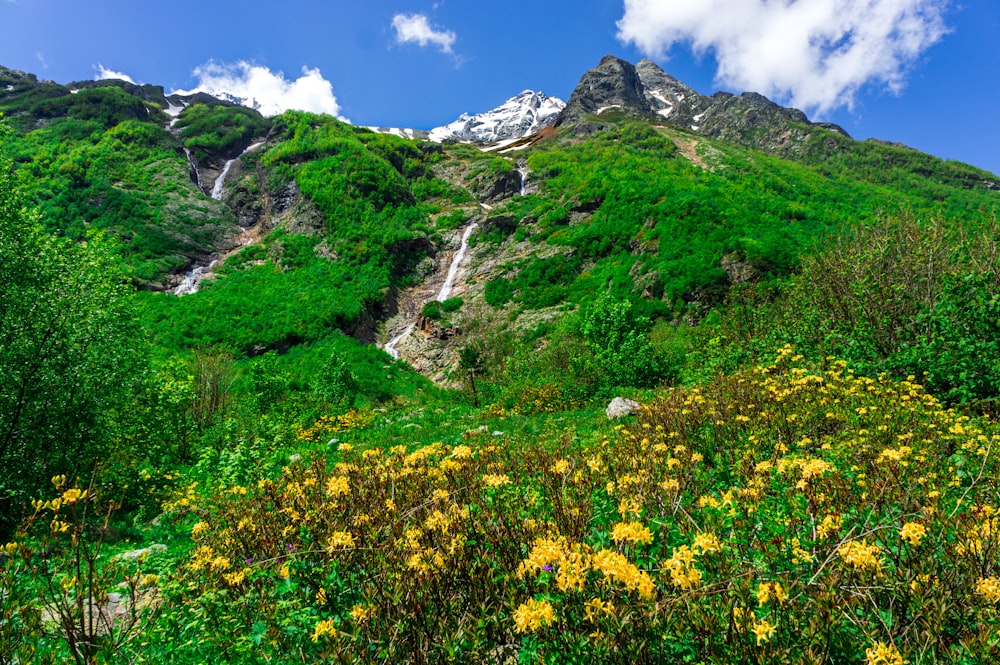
[(519, 116)]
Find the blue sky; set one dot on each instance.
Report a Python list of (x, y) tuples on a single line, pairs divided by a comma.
[(921, 72)]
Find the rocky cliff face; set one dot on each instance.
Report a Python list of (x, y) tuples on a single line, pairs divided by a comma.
[(612, 86), (616, 87)]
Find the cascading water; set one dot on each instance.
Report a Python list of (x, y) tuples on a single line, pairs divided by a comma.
[(221, 180), (523, 170), (194, 167), (443, 294), (191, 280), (449, 281)]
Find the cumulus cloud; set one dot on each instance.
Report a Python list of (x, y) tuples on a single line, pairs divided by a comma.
[(105, 73), (814, 54), (268, 92), (416, 29)]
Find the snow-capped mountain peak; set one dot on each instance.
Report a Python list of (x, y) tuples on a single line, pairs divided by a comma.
[(519, 116)]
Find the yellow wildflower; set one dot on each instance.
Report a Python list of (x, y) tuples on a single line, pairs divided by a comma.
[(881, 653), (628, 506), (763, 630), (913, 533), (532, 615), (595, 607), (560, 467), (73, 495), (235, 578), (860, 555), (683, 574), (768, 590), (544, 553), (706, 543), (632, 532), (361, 613), (830, 525), (339, 540), (461, 452), (338, 486), (496, 480), (989, 587), (324, 628)]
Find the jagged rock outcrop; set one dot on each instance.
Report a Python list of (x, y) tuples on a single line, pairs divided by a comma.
[(613, 85), (646, 91)]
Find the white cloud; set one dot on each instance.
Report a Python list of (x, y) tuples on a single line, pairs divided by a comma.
[(814, 54), (269, 92), (41, 58), (105, 73), (416, 29)]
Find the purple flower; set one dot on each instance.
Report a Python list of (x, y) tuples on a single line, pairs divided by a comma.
[(548, 568)]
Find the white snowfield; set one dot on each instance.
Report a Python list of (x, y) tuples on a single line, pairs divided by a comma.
[(519, 116)]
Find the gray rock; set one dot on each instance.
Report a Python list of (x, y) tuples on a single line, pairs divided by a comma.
[(620, 407), (140, 553)]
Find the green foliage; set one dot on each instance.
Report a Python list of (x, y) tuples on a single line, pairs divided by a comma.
[(909, 297), (129, 180), (335, 382), (95, 606), (71, 353), (437, 311), (619, 342), (219, 131), (105, 106)]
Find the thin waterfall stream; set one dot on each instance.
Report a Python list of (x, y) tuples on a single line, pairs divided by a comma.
[(443, 294)]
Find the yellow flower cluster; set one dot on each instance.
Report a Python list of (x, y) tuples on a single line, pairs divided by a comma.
[(763, 630), (631, 532), (338, 486), (533, 615), (614, 566), (771, 590), (829, 526), (595, 607), (881, 653), (339, 540), (860, 555), (496, 479), (362, 613), (913, 533), (683, 573), (989, 588), (327, 627)]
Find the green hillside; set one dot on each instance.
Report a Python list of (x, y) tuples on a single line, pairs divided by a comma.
[(814, 342)]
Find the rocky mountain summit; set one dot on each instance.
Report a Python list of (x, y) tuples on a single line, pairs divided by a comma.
[(644, 91)]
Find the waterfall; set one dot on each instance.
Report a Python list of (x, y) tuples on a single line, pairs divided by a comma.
[(191, 280), (390, 346), (449, 281), (194, 166), (523, 170), (443, 294), (221, 180)]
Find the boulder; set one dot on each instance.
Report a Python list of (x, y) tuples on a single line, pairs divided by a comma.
[(620, 407)]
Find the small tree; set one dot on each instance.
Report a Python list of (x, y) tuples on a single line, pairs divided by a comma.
[(618, 339), (470, 360), (336, 382)]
